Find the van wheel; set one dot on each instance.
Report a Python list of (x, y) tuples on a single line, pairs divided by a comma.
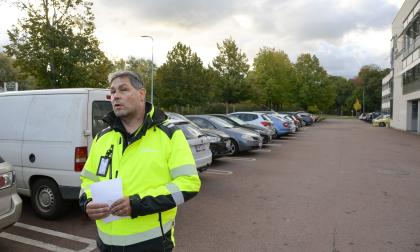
[(46, 199), (382, 124)]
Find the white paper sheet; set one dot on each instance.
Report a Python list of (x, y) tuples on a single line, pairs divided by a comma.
[(107, 192)]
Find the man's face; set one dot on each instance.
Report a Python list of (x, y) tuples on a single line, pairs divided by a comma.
[(127, 102)]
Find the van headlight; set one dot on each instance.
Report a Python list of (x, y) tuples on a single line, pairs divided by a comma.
[(7, 179)]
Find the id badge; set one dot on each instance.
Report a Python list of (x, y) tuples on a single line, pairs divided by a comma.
[(103, 166)]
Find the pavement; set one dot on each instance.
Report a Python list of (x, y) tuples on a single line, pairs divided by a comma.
[(339, 185)]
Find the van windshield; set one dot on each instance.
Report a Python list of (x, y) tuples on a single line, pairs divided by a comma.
[(99, 110)]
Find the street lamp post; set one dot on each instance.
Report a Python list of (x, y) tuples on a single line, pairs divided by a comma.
[(151, 87), (363, 99)]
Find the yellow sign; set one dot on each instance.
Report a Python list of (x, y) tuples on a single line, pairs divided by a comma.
[(357, 106)]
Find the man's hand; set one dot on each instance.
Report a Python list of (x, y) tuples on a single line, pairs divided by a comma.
[(97, 211), (121, 207)]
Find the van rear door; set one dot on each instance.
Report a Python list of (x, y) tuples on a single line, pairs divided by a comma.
[(99, 106)]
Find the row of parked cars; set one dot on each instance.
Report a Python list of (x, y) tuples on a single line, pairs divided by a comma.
[(44, 153), (215, 135), (376, 118)]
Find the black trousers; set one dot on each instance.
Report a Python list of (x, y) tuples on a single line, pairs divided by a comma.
[(159, 244)]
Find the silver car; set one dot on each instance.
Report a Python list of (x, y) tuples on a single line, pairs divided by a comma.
[(199, 143), (10, 202), (241, 139)]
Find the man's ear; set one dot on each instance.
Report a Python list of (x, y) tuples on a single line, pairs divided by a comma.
[(142, 93)]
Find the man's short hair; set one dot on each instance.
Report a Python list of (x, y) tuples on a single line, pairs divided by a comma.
[(135, 78)]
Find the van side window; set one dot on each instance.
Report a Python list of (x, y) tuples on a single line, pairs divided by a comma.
[(99, 110)]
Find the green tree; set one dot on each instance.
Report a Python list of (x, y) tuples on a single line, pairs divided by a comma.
[(232, 67), (138, 65), (181, 80), (344, 92), (312, 87), (56, 45), (369, 79), (273, 75), (10, 73)]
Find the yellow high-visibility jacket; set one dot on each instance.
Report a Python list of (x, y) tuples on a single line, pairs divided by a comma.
[(157, 170)]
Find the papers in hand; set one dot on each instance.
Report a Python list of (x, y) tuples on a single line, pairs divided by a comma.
[(107, 192)]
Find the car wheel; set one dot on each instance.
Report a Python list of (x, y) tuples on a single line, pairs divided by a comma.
[(234, 147), (46, 199), (382, 124)]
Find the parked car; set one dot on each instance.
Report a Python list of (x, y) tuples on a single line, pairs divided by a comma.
[(382, 121), (371, 116), (266, 134), (297, 119), (306, 117), (199, 144), (281, 126), (220, 144), (10, 202), (49, 140), (256, 118), (241, 139), (289, 119)]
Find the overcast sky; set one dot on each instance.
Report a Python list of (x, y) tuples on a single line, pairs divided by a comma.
[(343, 34)]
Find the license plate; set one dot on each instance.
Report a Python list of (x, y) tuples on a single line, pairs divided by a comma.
[(200, 147)]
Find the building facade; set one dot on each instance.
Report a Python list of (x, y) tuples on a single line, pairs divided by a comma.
[(401, 88)]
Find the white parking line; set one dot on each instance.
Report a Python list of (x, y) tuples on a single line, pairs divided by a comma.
[(274, 144), (263, 150), (240, 159), (219, 172), (91, 243)]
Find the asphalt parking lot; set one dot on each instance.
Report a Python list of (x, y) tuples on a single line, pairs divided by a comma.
[(339, 185)]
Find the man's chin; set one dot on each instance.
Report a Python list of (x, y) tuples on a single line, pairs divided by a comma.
[(120, 113)]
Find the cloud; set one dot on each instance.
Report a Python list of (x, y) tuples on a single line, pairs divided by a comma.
[(344, 34), (185, 14), (324, 19)]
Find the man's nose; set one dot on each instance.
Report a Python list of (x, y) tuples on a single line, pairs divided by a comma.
[(116, 95)]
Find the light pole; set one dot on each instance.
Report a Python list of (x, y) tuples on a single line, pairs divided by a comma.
[(363, 99), (151, 87)]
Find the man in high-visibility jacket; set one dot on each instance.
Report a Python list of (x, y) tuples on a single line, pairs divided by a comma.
[(156, 166)]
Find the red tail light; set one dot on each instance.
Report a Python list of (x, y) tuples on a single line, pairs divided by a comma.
[(80, 157), (265, 123), (108, 97), (286, 125)]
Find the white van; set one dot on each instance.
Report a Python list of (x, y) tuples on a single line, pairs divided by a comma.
[(46, 136)]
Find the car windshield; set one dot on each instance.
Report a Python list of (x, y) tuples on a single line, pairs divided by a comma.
[(237, 120), (220, 122)]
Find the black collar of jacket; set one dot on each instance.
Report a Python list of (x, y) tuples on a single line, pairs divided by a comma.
[(152, 117)]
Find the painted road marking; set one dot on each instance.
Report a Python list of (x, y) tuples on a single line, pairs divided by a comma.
[(240, 159), (263, 150), (219, 172), (274, 144), (91, 243)]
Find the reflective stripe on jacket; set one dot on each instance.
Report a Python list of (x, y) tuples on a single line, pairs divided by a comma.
[(158, 173)]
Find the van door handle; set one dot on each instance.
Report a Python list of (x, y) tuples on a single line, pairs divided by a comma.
[(32, 157)]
